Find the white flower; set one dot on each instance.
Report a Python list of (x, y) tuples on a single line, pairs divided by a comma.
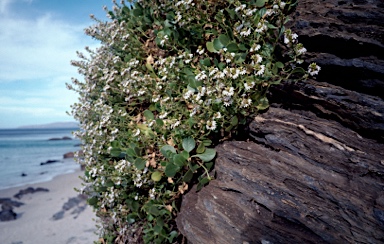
[(255, 47), (258, 58), (188, 94), (163, 115), (217, 115), (211, 125), (137, 132), (261, 70), (165, 38), (245, 33), (227, 103), (177, 123), (301, 50), (247, 87), (229, 91), (245, 103), (200, 50), (313, 69)]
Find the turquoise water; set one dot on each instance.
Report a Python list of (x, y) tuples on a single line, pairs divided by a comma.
[(22, 151)]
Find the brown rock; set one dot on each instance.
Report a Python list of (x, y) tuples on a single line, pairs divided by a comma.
[(69, 155), (305, 180)]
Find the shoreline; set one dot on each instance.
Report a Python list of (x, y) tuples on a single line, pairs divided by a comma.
[(45, 175), (58, 215)]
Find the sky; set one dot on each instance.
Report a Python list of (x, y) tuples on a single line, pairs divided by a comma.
[(38, 39)]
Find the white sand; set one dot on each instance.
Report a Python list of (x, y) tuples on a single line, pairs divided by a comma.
[(35, 223)]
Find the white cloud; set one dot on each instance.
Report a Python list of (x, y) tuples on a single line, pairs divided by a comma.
[(37, 51), (4, 5), (38, 48)]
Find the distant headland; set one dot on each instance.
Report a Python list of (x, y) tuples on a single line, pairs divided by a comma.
[(57, 125)]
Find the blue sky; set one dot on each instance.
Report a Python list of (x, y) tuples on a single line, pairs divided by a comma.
[(38, 38)]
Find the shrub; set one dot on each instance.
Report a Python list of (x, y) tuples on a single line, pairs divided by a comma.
[(169, 81)]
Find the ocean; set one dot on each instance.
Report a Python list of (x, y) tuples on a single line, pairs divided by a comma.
[(23, 150)]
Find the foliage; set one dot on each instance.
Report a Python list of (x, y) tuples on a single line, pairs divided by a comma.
[(169, 79)]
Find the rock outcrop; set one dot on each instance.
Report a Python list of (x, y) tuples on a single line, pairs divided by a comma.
[(300, 179), (58, 138), (69, 155), (7, 205), (312, 169), (29, 190)]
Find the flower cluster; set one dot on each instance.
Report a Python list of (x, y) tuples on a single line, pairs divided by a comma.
[(168, 78)]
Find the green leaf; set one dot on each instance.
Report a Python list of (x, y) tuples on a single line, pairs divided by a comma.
[(171, 170), (204, 181), (191, 121), (154, 210), (156, 176), (224, 40), (148, 115), (279, 65), (179, 160), (263, 104), (188, 144), (260, 3), (231, 13), (188, 176), (149, 67), (131, 218), (210, 47), (229, 128), (137, 12), (159, 122), (172, 235), (221, 66), (217, 44), (209, 165), (207, 142), (140, 163), (242, 47), (115, 152), (157, 229), (92, 201), (208, 155), (206, 62), (109, 183), (240, 58), (200, 148), (131, 152), (167, 148), (234, 120), (185, 154), (232, 47), (115, 144), (194, 83), (152, 107), (298, 70)]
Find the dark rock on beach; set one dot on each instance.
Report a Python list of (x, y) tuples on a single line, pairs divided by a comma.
[(50, 162), (29, 190), (77, 204), (7, 213), (58, 138), (4, 202), (69, 155)]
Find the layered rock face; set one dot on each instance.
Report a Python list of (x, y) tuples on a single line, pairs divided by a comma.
[(312, 169)]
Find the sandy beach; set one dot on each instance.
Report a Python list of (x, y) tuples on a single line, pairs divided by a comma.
[(50, 216)]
